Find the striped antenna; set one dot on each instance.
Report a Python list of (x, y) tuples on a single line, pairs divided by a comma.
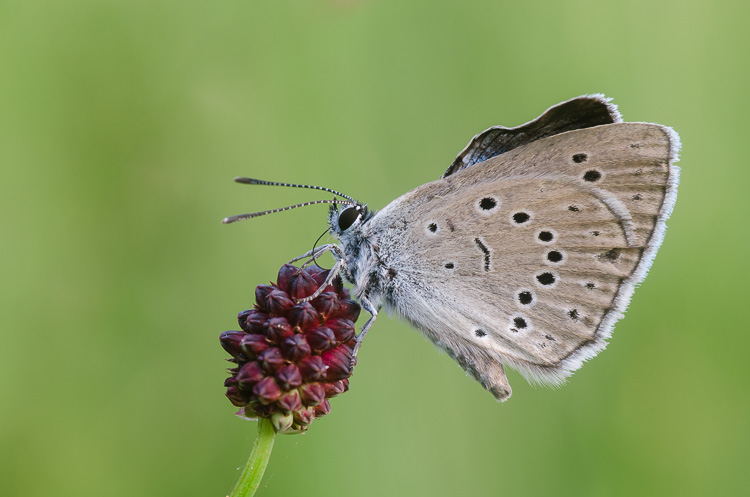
[(240, 217), (253, 181)]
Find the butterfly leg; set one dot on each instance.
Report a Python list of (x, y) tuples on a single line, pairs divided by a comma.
[(315, 252), (366, 305), (335, 270)]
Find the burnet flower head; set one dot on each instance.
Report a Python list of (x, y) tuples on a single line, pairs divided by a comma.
[(292, 354)]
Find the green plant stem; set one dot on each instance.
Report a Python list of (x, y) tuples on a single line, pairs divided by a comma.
[(253, 471)]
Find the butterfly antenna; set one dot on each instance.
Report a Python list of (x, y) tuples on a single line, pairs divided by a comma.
[(240, 217), (253, 181)]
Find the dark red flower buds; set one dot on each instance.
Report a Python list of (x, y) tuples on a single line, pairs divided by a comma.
[(321, 338), (279, 329), (253, 345), (252, 321), (304, 417), (267, 390), (327, 304), (271, 360), (319, 275), (312, 394), (302, 285), (285, 274), (261, 293), (342, 328), (235, 397), (322, 409), (290, 401), (291, 355), (249, 374), (295, 348), (349, 310), (303, 316), (333, 389), (230, 340), (313, 368), (289, 377), (278, 303), (339, 362)]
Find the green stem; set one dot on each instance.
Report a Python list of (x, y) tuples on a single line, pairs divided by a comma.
[(253, 471)]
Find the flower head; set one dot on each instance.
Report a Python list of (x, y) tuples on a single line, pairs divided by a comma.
[(292, 355)]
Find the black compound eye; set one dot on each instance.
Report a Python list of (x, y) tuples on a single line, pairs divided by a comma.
[(347, 217)]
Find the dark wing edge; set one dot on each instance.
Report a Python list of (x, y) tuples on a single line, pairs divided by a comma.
[(577, 113)]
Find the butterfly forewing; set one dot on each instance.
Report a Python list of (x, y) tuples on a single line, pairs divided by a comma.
[(577, 113)]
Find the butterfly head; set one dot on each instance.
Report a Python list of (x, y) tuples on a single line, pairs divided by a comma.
[(348, 220)]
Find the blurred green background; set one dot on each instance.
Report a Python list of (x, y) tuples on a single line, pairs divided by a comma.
[(122, 124)]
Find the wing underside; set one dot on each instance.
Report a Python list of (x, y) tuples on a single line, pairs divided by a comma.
[(529, 258)]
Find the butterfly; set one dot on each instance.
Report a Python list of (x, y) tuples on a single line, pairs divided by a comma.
[(526, 251)]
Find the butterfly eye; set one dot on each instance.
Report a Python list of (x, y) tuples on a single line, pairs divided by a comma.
[(347, 217)]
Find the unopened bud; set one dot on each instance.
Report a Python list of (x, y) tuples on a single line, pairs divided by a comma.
[(312, 393), (267, 390), (321, 338), (339, 362), (303, 315), (278, 303), (322, 409), (261, 293), (295, 348), (281, 422), (230, 341), (278, 329)]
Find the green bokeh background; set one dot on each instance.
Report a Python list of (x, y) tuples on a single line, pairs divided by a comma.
[(121, 126)]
